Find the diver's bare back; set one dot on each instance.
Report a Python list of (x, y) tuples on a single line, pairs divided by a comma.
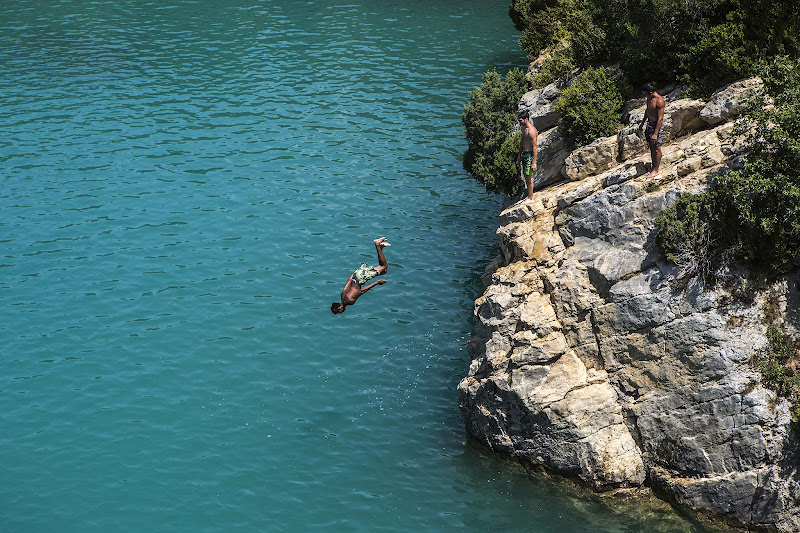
[(352, 290)]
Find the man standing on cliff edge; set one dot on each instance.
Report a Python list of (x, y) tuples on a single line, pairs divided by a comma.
[(528, 150), (354, 287), (654, 116)]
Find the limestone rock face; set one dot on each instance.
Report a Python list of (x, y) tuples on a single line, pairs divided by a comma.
[(539, 104), (728, 101), (593, 362), (550, 159), (592, 159)]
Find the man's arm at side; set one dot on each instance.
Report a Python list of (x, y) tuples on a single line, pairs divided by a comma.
[(644, 119)]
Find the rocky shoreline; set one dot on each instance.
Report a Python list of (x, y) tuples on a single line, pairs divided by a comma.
[(596, 361)]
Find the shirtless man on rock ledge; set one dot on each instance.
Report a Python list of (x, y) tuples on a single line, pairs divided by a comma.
[(355, 283), (654, 117), (528, 150)]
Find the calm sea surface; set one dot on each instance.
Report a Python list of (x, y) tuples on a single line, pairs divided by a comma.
[(186, 186)]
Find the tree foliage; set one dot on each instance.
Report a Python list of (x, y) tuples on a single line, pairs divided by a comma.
[(777, 365), (685, 237), (590, 107), (704, 43), (489, 119), (765, 195)]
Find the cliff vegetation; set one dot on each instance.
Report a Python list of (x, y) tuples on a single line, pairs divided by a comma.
[(701, 43)]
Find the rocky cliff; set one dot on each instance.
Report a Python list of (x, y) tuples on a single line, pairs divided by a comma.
[(595, 360)]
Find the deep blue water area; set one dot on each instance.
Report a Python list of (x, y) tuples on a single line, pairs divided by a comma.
[(186, 186)]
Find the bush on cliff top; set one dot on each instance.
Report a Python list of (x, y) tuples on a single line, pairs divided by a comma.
[(777, 367), (590, 107), (489, 119), (704, 43)]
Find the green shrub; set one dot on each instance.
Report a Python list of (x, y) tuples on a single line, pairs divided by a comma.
[(776, 368), (558, 66), (542, 23), (489, 119), (590, 107), (764, 197), (766, 213), (716, 56), (684, 224), (731, 40), (546, 24), (704, 43), (687, 235)]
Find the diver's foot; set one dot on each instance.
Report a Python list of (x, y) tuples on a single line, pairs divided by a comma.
[(526, 201), (381, 242)]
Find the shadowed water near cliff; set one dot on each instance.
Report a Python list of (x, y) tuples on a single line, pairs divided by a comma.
[(186, 187)]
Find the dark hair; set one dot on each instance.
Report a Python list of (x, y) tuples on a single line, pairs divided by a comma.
[(335, 309), (649, 87), (523, 114)]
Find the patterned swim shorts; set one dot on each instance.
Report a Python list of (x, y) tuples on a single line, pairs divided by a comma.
[(364, 274), (650, 129), (527, 163)]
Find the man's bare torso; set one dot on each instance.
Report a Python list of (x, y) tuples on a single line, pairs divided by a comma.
[(528, 136), (654, 104)]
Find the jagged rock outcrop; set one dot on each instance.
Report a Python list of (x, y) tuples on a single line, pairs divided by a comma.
[(596, 361), (729, 100), (539, 103)]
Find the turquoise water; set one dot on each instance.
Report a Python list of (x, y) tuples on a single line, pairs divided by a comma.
[(186, 186)]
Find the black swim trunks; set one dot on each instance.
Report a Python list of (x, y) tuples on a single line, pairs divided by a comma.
[(650, 130)]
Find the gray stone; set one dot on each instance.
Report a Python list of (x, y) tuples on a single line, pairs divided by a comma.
[(728, 101), (552, 153), (592, 159), (539, 104)]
